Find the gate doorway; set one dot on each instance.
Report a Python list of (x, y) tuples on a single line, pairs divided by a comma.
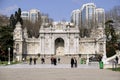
[(59, 46)]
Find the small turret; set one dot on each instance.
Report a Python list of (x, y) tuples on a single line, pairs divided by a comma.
[(18, 34), (18, 41)]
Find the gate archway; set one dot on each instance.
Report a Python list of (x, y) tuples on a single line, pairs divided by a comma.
[(59, 46)]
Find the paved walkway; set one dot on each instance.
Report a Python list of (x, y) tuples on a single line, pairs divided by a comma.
[(22, 65), (62, 71), (59, 72)]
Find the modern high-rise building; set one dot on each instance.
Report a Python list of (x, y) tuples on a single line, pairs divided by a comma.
[(88, 17), (34, 13), (31, 15), (25, 15), (100, 16), (75, 17)]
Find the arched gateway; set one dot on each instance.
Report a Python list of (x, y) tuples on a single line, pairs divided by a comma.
[(59, 46)]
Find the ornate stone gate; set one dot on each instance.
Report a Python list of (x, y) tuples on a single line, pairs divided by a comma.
[(59, 46)]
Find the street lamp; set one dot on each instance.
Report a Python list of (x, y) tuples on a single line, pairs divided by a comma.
[(14, 51), (8, 55)]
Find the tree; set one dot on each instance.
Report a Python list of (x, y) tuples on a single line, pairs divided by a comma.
[(19, 16), (111, 38), (4, 20), (33, 28), (6, 41), (110, 31), (19, 12), (114, 14), (14, 18), (12, 21)]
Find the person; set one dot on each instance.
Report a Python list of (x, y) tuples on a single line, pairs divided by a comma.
[(55, 61), (35, 60), (30, 60), (59, 60), (72, 62), (114, 64), (42, 60), (52, 60), (75, 62), (23, 59), (116, 59)]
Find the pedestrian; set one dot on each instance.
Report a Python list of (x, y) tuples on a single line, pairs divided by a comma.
[(52, 60), (116, 59), (23, 59), (42, 60), (72, 62), (75, 62), (59, 60), (30, 60), (55, 61), (114, 64), (35, 61)]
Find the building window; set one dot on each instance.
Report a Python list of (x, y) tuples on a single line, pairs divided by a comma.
[(25, 14), (33, 17)]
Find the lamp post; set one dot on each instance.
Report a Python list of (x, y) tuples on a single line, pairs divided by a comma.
[(8, 55), (14, 55)]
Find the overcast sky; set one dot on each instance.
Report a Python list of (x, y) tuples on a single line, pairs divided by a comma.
[(57, 9)]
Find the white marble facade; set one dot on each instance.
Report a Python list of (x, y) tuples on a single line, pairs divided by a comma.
[(62, 38)]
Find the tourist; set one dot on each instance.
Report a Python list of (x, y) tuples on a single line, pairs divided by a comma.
[(116, 59), (72, 62), (30, 60), (55, 61), (42, 60), (35, 60), (23, 60), (75, 62), (114, 63), (52, 60), (59, 60)]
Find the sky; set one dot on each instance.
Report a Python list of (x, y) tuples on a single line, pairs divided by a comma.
[(57, 9)]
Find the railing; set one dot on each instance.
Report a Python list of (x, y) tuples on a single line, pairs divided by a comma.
[(113, 57)]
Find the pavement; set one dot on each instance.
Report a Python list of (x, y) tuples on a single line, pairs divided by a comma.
[(62, 71), (26, 65), (25, 71)]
